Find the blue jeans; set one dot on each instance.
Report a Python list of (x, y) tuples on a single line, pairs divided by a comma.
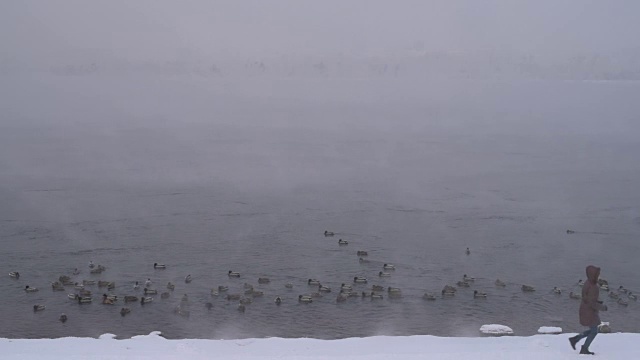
[(589, 334)]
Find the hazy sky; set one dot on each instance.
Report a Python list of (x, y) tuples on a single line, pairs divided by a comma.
[(150, 29)]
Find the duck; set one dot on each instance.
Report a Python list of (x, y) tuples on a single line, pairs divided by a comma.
[(428, 296), (188, 279), (233, 274), (106, 300), (328, 233), (393, 290), (38, 307), (622, 290), (362, 253), (468, 278), (528, 288), (257, 293), (78, 286), (208, 306), (388, 267), (500, 283), (278, 300), (130, 298), (124, 311), (359, 279), (342, 242), (376, 296), (448, 293), (384, 274), (145, 300), (468, 252), (63, 318), (91, 265), (449, 288), (305, 299), (233, 297), (377, 288), (14, 274), (602, 281), (463, 284), (477, 294), (84, 293), (570, 232), (159, 266), (72, 296), (88, 282), (150, 291), (84, 300), (288, 285), (580, 282), (170, 286), (632, 296), (103, 283), (223, 288), (165, 295), (557, 290), (247, 286), (56, 286), (366, 294), (323, 288), (76, 271), (30, 289), (613, 295), (346, 287), (623, 302), (604, 287), (65, 280), (363, 260), (184, 298), (573, 295), (313, 282), (245, 301)]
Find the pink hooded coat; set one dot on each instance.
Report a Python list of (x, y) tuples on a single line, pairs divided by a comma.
[(589, 306)]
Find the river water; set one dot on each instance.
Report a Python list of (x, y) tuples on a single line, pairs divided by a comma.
[(247, 176)]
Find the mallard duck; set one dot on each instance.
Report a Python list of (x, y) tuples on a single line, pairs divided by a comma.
[(346, 287), (528, 288), (233, 274), (89, 282), (103, 283), (604, 287), (38, 307), (602, 281), (14, 274), (245, 301), (323, 288), (623, 302), (56, 286), (478, 294), (613, 295), (63, 318), (305, 298), (468, 252), (91, 265), (384, 274), (342, 242), (165, 295), (463, 284), (449, 288), (377, 288), (557, 290), (573, 295), (78, 286), (145, 300), (393, 289), (580, 282), (188, 279), (632, 296), (124, 311), (622, 290), (328, 233), (106, 300), (170, 286), (468, 278), (388, 267), (208, 306), (30, 289), (223, 288), (278, 300), (313, 282), (130, 298), (84, 293), (428, 296), (353, 294), (64, 279), (233, 297), (448, 293), (263, 280), (159, 266), (363, 260), (257, 293), (500, 283), (72, 296), (376, 296), (288, 285), (148, 283), (150, 291), (362, 253), (84, 300), (359, 279), (316, 295)]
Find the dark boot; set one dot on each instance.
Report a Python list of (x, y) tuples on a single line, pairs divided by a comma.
[(586, 351), (573, 340)]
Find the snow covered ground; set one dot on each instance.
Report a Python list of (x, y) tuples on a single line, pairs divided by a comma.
[(153, 346)]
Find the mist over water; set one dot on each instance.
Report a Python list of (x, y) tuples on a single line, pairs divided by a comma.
[(156, 142)]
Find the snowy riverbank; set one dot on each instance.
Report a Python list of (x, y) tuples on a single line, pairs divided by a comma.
[(153, 346)]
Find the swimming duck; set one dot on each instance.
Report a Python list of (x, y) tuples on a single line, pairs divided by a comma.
[(103, 283), (124, 311), (223, 288), (91, 265), (38, 307), (84, 293), (147, 283), (257, 293), (233, 274), (84, 300), (30, 289), (384, 274), (604, 287), (580, 282), (305, 299), (449, 288), (557, 290), (377, 288), (366, 294), (388, 267), (463, 284), (623, 302), (288, 285), (188, 279), (478, 294), (352, 294), (130, 298), (328, 233), (263, 280), (63, 318), (364, 261), (72, 296), (278, 300), (468, 252), (622, 290), (342, 242), (165, 295), (428, 296), (570, 232), (448, 293), (88, 282), (136, 286), (632, 296), (500, 283), (56, 286), (65, 280), (613, 295), (602, 281), (360, 280), (78, 286), (106, 300), (145, 300), (323, 288), (184, 299), (76, 271), (150, 291), (14, 274), (245, 301), (573, 295), (376, 296), (170, 286), (313, 282), (233, 297), (159, 266), (528, 288), (346, 287), (208, 306), (393, 289), (248, 291), (468, 278), (362, 253)]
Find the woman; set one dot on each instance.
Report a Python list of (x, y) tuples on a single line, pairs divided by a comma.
[(590, 307)]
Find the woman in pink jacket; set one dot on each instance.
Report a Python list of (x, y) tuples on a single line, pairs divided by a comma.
[(590, 307)]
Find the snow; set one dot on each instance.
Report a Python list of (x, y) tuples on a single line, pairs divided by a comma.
[(154, 346), (496, 329), (549, 330)]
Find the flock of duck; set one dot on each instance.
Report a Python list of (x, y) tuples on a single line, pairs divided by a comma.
[(142, 294)]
